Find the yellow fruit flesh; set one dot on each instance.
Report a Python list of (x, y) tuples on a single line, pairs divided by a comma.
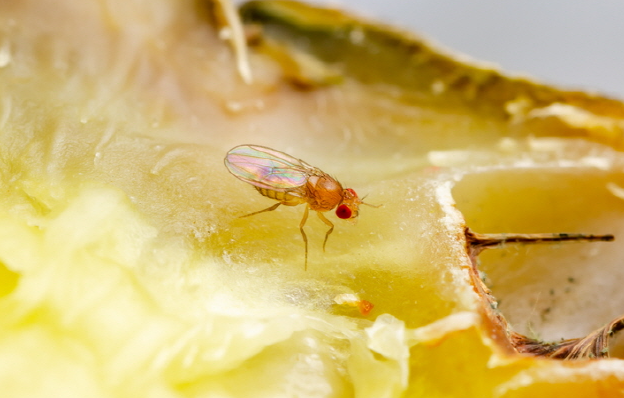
[(127, 272)]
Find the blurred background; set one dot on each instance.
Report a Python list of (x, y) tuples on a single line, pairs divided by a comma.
[(577, 44)]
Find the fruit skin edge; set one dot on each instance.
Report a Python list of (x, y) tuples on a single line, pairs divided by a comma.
[(427, 75)]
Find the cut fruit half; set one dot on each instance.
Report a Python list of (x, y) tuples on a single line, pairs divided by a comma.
[(127, 271)]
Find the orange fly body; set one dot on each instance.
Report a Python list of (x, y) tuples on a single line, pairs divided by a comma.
[(292, 182)]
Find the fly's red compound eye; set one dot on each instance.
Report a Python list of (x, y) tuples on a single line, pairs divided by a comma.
[(343, 212), (352, 192)]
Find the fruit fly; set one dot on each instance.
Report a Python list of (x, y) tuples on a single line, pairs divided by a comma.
[(292, 182)]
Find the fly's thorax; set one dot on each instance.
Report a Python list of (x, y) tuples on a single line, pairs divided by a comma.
[(323, 193), (349, 208)]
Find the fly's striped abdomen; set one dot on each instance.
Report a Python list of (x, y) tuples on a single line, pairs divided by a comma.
[(283, 197)]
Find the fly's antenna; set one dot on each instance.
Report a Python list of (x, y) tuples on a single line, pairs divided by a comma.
[(368, 204)]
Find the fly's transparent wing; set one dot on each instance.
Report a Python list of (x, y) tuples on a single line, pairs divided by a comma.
[(267, 168)]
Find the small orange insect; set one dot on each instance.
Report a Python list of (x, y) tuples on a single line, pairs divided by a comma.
[(292, 182), (352, 300)]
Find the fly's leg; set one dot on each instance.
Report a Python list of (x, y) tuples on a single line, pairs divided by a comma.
[(275, 206), (329, 224), (305, 238)]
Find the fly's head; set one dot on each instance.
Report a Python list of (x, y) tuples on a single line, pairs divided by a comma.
[(349, 208)]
